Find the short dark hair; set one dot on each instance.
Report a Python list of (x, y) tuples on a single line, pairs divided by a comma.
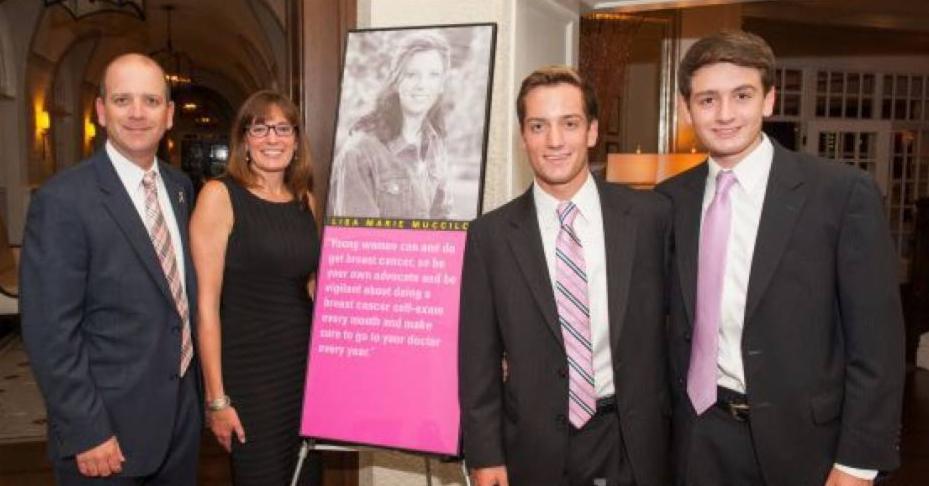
[(733, 46), (550, 76)]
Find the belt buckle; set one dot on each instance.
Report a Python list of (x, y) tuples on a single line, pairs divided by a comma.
[(739, 411)]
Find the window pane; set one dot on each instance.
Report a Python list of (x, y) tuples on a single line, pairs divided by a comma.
[(848, 145), (791, 105), (902, 85), (899, 109), (851, 108), (853, 85), (836, 82), (835, 107), (867, 84), (792, 80), (866, 108), (866, 149)]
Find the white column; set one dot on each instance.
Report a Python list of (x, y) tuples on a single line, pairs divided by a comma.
[(530, 33), (922, 352)]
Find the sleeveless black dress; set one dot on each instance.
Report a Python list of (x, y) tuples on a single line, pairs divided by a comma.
[(265, 313)]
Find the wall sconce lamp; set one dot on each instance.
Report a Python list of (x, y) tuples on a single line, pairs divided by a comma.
[(90, 130), (90, 134), (43, 123)]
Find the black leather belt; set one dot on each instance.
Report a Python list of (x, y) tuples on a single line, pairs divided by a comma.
[(606, 405), (734, 403)]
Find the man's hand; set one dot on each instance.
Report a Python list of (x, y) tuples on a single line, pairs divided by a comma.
[(490, 476), (839, 478), (101, 461)]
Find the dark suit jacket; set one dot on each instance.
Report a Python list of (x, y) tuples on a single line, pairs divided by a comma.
[(822, 344), (99, 323), (508, 306)]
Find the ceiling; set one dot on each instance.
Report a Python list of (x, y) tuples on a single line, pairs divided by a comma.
[(236, 46), (911, 15), (906, 15)]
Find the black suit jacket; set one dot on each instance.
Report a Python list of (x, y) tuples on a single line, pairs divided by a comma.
[(508, 307), (99, 323), (822, 343)]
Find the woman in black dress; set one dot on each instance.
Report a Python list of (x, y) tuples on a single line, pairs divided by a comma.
[(255, 247)]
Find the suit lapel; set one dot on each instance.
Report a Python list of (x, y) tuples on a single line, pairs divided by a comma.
[(687, 234), (181, 206), (784, 198), (120, 207), (619, 237), (525, 241)]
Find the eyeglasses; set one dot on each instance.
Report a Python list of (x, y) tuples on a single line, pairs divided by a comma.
[(261, 130)]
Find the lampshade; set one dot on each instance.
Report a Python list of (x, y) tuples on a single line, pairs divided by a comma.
[(646, 170), (43, 121)]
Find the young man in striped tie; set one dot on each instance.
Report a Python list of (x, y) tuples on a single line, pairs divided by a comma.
[(565, 284)]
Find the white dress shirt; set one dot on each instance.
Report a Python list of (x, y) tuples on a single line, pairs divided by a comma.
[(589, 228), (131, 176), (747, 199)]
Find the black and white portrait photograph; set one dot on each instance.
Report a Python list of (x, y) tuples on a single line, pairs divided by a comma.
[(411, 134)]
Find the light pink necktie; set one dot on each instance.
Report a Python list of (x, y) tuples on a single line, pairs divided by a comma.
[(161, 239), (574, 317), (704, 354)]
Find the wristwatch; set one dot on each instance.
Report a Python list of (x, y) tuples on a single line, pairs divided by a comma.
[(218, 404)]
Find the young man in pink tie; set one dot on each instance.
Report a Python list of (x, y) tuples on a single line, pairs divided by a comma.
[(786, 333)]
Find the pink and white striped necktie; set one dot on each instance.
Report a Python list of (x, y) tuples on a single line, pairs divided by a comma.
[(161, 239), (574, 316)]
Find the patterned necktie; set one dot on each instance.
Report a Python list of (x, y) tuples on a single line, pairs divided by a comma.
[(574, 317), (161, 239), (714, 237)]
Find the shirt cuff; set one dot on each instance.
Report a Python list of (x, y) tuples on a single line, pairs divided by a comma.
[(868, 474)]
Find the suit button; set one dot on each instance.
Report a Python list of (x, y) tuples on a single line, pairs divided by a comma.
[(176, 329), (560, 419), (687, 336), (173, 376), (562, 372)]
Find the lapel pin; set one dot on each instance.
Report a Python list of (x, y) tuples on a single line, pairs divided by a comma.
[(180, 197)]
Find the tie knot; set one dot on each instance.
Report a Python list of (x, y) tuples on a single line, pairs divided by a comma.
[(148, 180), (567, 211), (724, 181)]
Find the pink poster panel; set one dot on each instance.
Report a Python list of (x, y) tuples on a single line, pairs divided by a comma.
[(383, 366)]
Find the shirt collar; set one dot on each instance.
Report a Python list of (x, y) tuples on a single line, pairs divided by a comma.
[(752, 171), (429, 135), (127, 170), (587, 200)]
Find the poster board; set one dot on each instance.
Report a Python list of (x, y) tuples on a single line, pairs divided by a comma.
[(406, 180)]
